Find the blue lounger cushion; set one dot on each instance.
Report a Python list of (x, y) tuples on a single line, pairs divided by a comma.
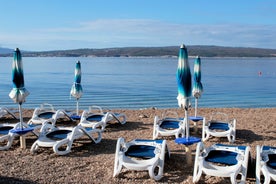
[(224, 157), (5, 129), (58, 134), (142, 151), (95, 117), (219, 126), (46, 115), (167, 124)]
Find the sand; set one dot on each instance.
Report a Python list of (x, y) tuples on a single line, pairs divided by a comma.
[(93, 163)]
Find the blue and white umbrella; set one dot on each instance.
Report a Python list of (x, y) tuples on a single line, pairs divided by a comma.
[(18, 93), (197, 85), (76, 90), (184, 83)]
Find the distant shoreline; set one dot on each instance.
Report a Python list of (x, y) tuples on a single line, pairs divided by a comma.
[(170, 51)]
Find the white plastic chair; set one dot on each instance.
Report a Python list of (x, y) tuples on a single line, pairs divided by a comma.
[(219, 126), (222, 161), (265, 163), (97, 118), (141, 154), (61, 138), (168, 125)]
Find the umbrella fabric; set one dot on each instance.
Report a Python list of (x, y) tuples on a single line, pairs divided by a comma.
[(184, 82), (19, 92), (197, 87), (76, 90)]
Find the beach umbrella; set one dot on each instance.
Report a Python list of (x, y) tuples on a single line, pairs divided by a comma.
[(197, 85), (76, 90), (184, 83), (18, 93)]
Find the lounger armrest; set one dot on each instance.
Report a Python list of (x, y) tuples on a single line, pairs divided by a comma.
[(44, 106), (170, 114), (93, 108)]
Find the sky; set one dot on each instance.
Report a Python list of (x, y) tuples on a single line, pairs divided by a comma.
[(37, 25)]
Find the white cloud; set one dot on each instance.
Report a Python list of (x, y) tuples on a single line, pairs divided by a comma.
[(104, 33)]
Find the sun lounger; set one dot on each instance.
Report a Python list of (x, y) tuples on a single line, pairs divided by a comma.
[(96, 117), (265, 163), (219, 126), (61, 139), (222, 161), (168, 125), (46, 112), (141, 154)]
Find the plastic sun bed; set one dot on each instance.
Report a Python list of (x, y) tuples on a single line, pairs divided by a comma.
[(97, 118), (141, 154), (61, 139), (222, 161), (169, 125), (219, 126), (44, 113), (265, 163)]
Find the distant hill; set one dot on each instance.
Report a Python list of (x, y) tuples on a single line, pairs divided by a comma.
[(5, 50), (170, 51)]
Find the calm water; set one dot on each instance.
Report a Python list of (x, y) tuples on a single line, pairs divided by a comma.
[(141, 82)]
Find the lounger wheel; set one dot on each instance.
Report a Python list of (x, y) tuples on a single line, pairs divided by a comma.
[(61, 143), (98, 137), (34, 147), (156, 171), (197, 165), (231, 138), (9, 138), (117, 165)]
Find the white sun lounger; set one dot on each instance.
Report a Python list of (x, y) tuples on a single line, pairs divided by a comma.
[(222, 161), (97, 118), (141, 154), (168, 125), (265, 163), (61, 139), (219, 126)]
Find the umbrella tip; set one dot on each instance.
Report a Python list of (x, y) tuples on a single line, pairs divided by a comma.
[(182, 46)]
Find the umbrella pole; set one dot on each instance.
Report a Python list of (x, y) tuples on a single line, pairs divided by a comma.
[(196, 101), (22, 137), (20, 117), (187, 123), (77, 107)]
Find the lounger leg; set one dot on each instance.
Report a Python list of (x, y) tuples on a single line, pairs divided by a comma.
[(258, 164), (198, 163), (155, 126), (117, 163)]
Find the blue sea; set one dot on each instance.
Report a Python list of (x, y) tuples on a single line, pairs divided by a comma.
[(137, 83)]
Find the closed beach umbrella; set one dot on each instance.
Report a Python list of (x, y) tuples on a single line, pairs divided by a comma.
[(184, 83), (76, 90), (19, 93), (197, 85)]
